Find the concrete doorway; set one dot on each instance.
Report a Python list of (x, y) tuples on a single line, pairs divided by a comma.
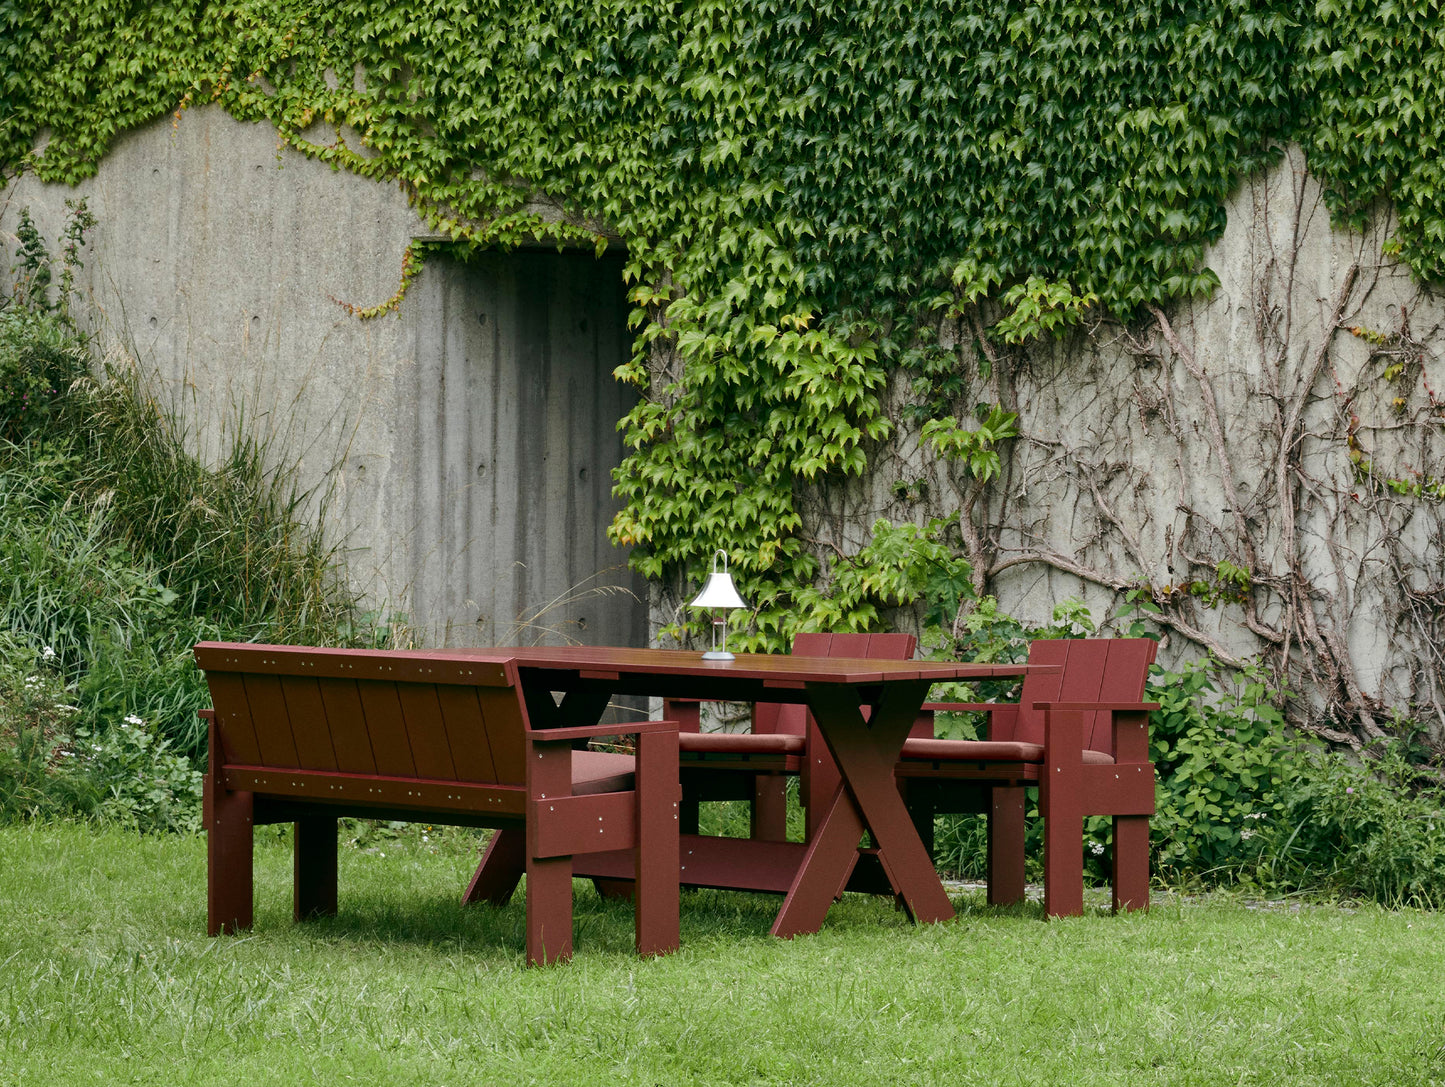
[(517, 437)]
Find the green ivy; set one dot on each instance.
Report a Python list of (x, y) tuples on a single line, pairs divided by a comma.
[(800, 186)]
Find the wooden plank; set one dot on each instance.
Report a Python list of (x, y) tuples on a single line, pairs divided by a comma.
[(731, 864), (565, 825), (502, 719), (349, 739), (425, 730), (475, 667), (1028, 724), (1083, 680), (309, 727), (271, 720), (233, 718), (1123, 681), (466, 734), (381, 709), (323, 787)]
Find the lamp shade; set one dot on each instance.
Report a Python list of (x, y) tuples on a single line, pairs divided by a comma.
[(719, 590)]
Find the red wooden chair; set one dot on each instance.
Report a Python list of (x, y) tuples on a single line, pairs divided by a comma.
[(1081, 737), (754, 766)]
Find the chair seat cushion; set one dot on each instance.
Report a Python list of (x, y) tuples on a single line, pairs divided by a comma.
[(740, 743), (986, 751), (601, 772)]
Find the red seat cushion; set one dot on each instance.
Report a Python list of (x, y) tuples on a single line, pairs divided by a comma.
[(741, 743), (986, 751), (601, 772)]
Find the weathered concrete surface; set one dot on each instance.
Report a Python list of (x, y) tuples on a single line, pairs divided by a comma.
[(221, 262), (1233, 430)]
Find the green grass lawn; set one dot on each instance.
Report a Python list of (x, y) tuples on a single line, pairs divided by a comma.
[(106, 976)]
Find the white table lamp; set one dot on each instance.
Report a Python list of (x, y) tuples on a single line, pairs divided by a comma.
[(719, 595)]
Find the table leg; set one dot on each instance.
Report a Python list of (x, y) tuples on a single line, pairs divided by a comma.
[(866, 753), (828, 862)]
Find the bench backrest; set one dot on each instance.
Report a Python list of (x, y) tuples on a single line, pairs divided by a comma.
[(793, 719), (366, 712), (1093, 670)]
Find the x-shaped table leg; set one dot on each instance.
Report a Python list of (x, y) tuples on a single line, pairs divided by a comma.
[(866, 752)]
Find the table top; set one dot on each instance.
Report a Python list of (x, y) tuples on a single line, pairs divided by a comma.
[(603, 662), (662, 672)]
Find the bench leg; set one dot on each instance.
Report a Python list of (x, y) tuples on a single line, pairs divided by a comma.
[(229, 840), (658, 850), (500, 870), (549, 910), (314, 867), (1131, 862), (1006, 827)]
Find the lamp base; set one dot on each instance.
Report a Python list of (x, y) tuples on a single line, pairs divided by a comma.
[(718, 655)]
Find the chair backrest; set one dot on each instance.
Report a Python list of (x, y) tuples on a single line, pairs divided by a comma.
[(1093, 670), (772, 717), (364, 712)]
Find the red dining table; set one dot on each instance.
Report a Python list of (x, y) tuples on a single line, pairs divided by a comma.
[(572, 686)]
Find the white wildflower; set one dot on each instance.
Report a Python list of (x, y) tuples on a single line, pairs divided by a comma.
[(132, 719), (1096, 848), (47, 654)]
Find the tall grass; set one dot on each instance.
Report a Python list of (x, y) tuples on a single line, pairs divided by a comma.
[(119, 550)]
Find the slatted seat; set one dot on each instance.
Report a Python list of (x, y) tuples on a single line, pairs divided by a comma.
[(1079, 735), (306, 735)]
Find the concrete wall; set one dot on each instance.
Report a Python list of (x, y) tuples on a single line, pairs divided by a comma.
[(466, 464)]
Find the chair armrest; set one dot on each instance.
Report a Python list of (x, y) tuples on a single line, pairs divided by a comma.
[(1128, 722), (584, 732), (1111, 707)]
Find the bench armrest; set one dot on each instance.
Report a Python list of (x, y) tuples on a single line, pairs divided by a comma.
[(586, 732)]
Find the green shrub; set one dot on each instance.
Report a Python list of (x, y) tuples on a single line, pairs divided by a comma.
[(137, 779), (1221, 755), (1373, 828), (38, 363)]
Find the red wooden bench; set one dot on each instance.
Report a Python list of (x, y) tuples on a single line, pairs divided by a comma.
[(305, 735), (1081, 737)]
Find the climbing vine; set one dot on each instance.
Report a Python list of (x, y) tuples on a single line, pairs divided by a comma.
[(807, 191)]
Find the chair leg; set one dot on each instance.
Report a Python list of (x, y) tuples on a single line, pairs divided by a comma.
[(770, 808), (1006, 827), (500, 870), (1131, 862), (314, 867), (229, 839)]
